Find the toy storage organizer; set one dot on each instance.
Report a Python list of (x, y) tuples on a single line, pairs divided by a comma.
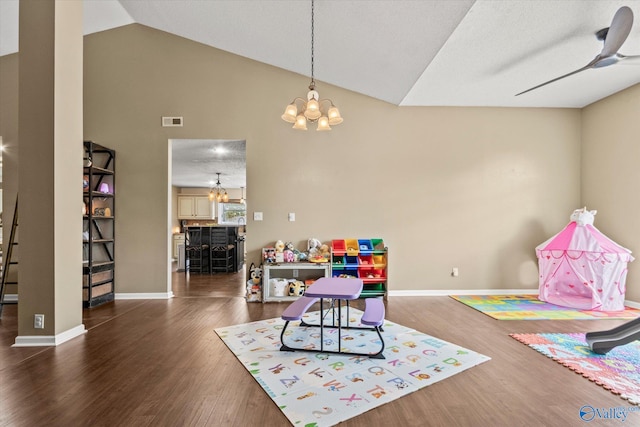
[(365, 259)]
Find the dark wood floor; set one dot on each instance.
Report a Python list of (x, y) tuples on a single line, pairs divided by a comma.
[(160, 363)]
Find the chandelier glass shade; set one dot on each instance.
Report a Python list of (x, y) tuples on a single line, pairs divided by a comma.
[(218, 193), (313, 109)]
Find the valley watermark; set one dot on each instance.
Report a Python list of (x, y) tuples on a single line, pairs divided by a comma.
[(620, 413)]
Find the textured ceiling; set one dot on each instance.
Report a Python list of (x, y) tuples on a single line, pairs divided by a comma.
[(195, 163), (405, 52)]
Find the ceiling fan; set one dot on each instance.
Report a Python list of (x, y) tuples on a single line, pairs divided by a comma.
[(613, 38)]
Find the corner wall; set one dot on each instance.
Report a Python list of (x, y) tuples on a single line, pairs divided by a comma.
[(610, 172)]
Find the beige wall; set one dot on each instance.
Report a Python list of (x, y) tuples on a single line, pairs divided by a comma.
[(9, 133), (610, 172), (50, 127), (474, 188)]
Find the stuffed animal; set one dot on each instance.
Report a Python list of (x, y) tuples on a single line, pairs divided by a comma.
[(583, 216), (324, 251), (279, 286), (289, 256), (254, 287), (254, 292), (279, 251), (255, 273), (313, 247), (296, 288)]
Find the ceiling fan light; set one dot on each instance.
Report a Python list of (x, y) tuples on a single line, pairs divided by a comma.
[(301, 123), (290, 113), (334, 116), (323, 124)]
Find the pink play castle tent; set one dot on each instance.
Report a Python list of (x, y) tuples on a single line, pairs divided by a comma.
[(582, 268)]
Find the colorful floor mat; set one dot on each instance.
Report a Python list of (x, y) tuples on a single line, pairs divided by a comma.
[(618, 371), (320, 389), (529, 307)]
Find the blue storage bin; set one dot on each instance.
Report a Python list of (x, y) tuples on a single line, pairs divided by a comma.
[(365, 246)]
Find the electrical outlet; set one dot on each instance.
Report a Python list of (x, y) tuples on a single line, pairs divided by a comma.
[(454, 272), (295, 273), (38, 321)]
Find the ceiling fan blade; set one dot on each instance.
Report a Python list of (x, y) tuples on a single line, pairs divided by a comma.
[(586, 67), (618, 31), (633, 58)]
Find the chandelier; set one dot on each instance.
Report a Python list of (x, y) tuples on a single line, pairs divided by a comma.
[(218, 193), (313, 109)]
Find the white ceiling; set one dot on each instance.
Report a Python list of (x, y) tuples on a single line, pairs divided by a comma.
[(405, 52), (195, 163)]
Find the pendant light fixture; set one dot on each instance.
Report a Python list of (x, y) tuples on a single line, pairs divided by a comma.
[(218, 193), (242, 200), (313, 109)]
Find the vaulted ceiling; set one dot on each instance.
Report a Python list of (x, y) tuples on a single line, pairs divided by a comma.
[(405, 52)]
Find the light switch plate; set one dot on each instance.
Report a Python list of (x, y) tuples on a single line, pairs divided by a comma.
[(257, 216), (292, 216)]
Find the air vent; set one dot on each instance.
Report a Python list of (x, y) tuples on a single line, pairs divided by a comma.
[(171, 121)]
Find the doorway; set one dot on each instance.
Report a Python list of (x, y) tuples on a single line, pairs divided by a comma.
[(207, 187)]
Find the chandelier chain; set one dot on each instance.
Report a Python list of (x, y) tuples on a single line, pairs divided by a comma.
[(312, 109), (312, 40)]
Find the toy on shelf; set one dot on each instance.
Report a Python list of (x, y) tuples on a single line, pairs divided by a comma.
[(296, 288), (324, 251), (268, 255), (289, 252), (279, 251), (280, 286), (313, 247), (318, 252)]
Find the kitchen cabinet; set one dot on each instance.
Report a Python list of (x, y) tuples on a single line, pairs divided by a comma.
[(195, 207), (178, 239)]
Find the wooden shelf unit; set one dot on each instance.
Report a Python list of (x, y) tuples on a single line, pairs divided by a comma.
[(290, 270), (98, 237)]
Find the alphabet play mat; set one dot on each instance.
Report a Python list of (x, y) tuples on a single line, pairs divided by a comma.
[(529, 307), (319, 389)]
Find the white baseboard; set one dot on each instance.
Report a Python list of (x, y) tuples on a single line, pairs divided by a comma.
[(161, 295), (631, 304), (49, 340), (154, 295), (447, 292)]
